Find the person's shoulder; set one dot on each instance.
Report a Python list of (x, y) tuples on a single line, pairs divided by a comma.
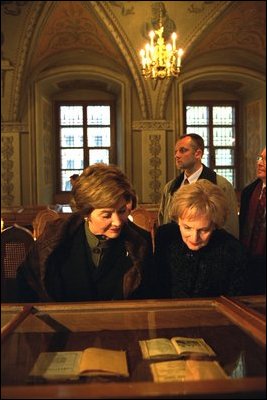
[(251, 185), (143, 232), (222, 233), (222, 181), (166, 234), (169, 229), (136, 238), (226, 239), (57, 227), (73, 219), (168, 185)]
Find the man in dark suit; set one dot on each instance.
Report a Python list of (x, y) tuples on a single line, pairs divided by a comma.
[(189, 151), (252, 220)]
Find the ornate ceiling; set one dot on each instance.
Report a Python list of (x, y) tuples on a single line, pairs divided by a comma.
[(38, 35), (60, 27)]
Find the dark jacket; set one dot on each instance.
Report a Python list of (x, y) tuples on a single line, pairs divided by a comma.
[(206, 173), (244, 206), (60, 266), (217, 269), (257, 263)]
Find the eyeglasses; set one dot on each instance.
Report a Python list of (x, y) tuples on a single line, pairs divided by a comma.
[(260, 158)]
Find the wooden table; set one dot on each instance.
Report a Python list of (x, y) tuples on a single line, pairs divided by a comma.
[(231, 326)]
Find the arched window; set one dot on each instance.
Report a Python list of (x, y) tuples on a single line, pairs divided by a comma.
[(217, 124), (86, 135)]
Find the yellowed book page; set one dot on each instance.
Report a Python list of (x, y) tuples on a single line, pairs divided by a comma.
[(97, 361), (157, 348), (200, 370), (168, 371), (184, 345), (57, 365), (186, 370)]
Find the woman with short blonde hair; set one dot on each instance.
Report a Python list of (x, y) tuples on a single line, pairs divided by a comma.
[(202, 198), (194, 256)]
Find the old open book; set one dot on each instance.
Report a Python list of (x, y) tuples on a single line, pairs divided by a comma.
[(73, 364), (175, 347), (186, 370)]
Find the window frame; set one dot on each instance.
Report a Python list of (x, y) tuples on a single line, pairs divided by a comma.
[(210, 126), (84, 104)]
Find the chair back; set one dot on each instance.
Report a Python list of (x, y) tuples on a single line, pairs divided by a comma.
[(142, 217), (40, 220), (15, 244)]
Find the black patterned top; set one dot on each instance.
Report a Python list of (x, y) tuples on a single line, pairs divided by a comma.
[(219, 268)]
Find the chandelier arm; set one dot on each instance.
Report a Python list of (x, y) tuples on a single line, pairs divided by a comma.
[(160, 60)]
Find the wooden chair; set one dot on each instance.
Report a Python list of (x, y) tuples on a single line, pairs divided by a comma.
[(40, 220), (15, 244), (142, 217)]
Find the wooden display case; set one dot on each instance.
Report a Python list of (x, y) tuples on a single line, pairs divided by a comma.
[(231, 326)]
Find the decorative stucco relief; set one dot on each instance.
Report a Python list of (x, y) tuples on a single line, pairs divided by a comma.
[(5, 68), (243, 28), (10, 171), (71, 27), (123, 7), (129, 53), (23, 50), (153, 171), (199, 7), (254, 135), (159, 15), (47, 142), (154, 124), (13, 127), (13, 7)]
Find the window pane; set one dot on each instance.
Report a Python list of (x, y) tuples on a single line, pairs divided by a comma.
[(71, 137), (65, 178), (98, 137), (229, 174), (197, 115), (224, 137), (98, 115), (85, 136), (201, 131), (97, 155), (223, 115), (219, 135), (205, 158), (71, 115), (72, 159), (224, 157)]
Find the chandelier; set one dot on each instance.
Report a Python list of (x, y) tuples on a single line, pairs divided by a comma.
[(160, 60)]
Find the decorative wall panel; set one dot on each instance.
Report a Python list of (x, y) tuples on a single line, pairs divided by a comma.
[(10, 169), (153, 165), (254, 135), (47, 141)]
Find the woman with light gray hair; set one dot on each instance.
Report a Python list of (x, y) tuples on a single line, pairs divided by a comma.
[(194, 256)]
